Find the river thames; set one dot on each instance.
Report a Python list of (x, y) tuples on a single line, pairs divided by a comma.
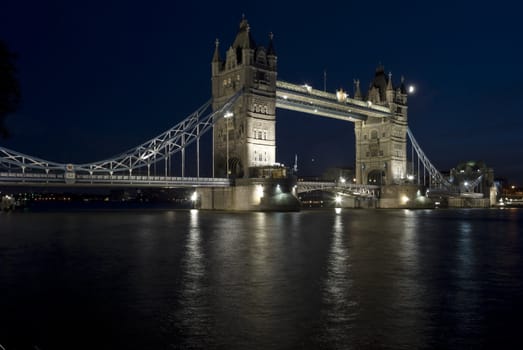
[(362, 279)]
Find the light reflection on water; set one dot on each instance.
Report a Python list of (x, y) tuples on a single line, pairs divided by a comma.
[(193, 306), (341, 307), (315, 279)]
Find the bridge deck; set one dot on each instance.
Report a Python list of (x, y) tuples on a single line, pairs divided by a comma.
[(335, 186), (32, 179), (307, 100)]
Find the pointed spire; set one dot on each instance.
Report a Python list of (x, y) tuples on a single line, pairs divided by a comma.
[(357, 91), (244, 39), (243, 23), (216, 56), (389, 83), (270, 49)]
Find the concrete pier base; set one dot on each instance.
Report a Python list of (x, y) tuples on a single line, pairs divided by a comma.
[(253, 194), (404, 196), (358, 202), (463, 202)]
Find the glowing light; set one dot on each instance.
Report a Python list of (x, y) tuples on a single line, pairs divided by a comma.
[(404, 199), (229, 114), (410, 177), (412, 89), (337, 210), (337, 199), (342, 180), (466, 183), (194, 196), (341, 95), (259, 191), (285, 97), (308, 88)]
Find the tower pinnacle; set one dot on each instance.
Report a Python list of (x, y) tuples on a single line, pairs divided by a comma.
[(389, 83), (216, 56), (357, 91), (270, 48)]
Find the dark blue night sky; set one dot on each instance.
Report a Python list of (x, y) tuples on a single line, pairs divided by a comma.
[(99, 77)]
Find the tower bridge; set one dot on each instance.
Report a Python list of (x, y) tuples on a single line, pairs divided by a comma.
[(242, 116)]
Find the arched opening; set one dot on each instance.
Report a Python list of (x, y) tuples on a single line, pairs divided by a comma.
[(235, 168), (376, 177)]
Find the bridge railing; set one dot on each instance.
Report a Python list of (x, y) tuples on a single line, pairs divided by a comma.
[(338, 187), (17, 177)]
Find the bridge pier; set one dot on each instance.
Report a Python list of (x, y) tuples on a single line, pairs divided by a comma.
[(251, 194), (404, 196)]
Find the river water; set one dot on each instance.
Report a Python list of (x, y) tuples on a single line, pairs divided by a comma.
[(362, 279)]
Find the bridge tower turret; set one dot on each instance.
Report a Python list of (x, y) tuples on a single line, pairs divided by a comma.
[(248, 136), (381, 143)]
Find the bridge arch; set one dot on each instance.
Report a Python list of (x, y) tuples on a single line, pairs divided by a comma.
[(376, 177), (236, 168)]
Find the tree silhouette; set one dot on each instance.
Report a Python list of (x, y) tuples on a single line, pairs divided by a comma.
[(9, 87)]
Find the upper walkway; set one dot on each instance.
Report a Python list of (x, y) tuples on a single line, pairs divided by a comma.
[(303, 98)]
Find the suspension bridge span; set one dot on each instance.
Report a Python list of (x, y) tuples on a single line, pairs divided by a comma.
[(241, 115)]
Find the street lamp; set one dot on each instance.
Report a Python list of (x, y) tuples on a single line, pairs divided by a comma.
[(228, 116)]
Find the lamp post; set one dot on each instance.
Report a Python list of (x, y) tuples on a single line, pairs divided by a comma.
[(227, 117)]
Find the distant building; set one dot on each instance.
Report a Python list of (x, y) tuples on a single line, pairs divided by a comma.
[(473, 173)]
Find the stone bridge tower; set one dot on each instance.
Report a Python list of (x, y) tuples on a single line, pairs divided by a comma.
[(249, 134), (381, 143)]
